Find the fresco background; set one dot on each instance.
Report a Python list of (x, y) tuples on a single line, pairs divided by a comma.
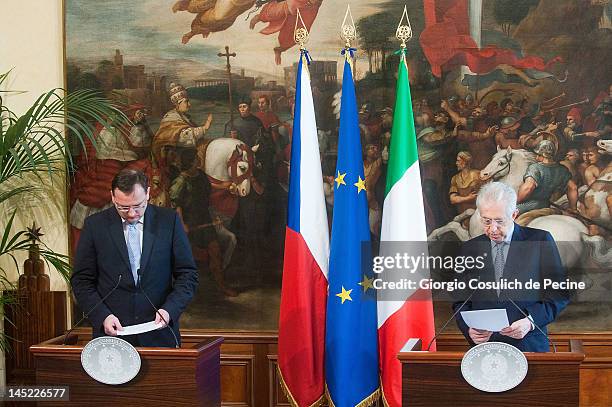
[(538, 63)]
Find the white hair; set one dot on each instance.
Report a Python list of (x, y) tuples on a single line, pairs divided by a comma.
[(496, 192)]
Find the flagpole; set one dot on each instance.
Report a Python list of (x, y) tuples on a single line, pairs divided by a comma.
[(301, 327), (404, 32), (348, 34), (403, 220), (351, 325)]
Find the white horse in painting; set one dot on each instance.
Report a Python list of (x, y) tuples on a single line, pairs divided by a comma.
[(597, 202), (509, 166), (228, 163)]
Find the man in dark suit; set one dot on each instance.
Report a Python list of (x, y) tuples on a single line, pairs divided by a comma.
[(510, 253), (143, 250)]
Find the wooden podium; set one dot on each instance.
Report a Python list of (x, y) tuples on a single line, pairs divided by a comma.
[(189, 376), (434, 379)]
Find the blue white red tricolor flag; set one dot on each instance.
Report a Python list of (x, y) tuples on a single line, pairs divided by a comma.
[(301, 331)]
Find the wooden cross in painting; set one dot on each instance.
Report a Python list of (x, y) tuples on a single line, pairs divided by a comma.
[(227, 56)]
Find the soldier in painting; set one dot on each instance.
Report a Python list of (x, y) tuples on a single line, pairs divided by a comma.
[(596, 162), (432, 142), (189, 194), (473, 133), (545, 180), (372, 163), (572, 162), (508, 136), (465, 184)]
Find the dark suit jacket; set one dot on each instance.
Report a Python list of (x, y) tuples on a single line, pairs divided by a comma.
[(168, 273), (532, 255)]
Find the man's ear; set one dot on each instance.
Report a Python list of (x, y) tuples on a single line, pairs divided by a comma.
[(112, 196), (148, 191)]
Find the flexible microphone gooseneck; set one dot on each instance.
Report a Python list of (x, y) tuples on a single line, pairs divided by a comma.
[(531, 320), (157, 311), (93, 308), (451, 318)]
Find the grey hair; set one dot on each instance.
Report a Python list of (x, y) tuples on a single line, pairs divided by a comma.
[(495, 192)]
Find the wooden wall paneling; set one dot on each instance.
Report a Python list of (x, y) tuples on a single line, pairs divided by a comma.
[(596, 385), (237, 371), (278, 398), (262, 379), (246, 384), (34, 318)]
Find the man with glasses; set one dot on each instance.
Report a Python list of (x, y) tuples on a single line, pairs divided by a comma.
[(511, 253), (134, 253)]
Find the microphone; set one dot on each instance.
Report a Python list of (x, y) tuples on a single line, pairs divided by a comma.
[(534, 324), (92, 309), (157, 310), (452, 317)]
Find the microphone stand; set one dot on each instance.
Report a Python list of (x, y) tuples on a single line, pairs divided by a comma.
[(531, 320), (92, 308), (157, 311), (451, 318)]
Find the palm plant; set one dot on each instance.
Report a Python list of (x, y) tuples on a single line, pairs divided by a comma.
[(35, 152)]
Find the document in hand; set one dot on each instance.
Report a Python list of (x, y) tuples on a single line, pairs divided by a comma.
[(493, 320), (139, 329)]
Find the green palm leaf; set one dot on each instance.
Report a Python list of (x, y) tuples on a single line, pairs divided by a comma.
[(36, 144)]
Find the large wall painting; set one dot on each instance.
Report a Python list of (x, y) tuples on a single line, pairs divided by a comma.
[(209, 86)]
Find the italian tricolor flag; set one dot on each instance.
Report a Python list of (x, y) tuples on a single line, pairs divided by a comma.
[(403, 220)]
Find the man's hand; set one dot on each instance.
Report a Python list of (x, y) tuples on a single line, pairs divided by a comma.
[(518, 329), (492, 130), (112, 325), (470, 197), (479, 335), (552, 127), (158, 318), (208, 122)]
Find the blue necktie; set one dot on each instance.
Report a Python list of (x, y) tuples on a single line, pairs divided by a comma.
[(133, 246)]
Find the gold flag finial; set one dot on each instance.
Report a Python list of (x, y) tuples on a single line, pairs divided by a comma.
[(349, 32), (404, 31), (300, 34)]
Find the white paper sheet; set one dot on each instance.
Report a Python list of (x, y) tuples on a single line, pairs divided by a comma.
[(493, 320), (139, 329)]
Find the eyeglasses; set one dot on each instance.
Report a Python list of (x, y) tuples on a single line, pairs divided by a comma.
[(136, 208), (489, 222)]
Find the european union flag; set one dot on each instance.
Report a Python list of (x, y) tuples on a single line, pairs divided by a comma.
[(351, 354)]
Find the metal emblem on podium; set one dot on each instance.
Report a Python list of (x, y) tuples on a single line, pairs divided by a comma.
[(110, 360), (494, 367)]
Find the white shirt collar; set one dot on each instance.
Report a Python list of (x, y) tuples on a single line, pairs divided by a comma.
[(138, 222)]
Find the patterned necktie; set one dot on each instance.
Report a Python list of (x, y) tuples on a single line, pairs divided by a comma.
[(133, 246), (499, 262)]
